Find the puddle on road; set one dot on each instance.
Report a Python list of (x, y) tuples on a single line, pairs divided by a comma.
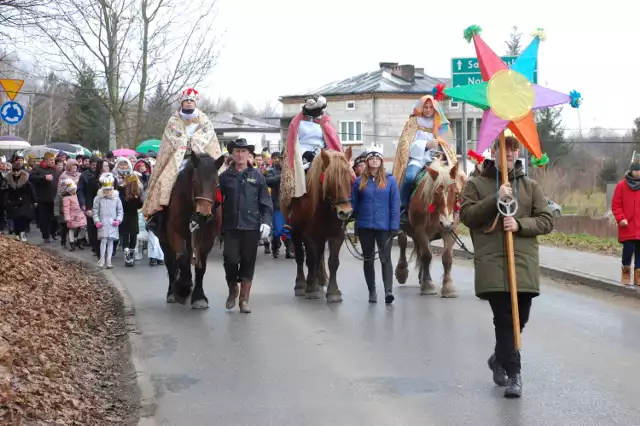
[(398, 386), (173, 383)]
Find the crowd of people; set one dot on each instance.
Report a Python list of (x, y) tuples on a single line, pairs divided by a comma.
[(86, 202)]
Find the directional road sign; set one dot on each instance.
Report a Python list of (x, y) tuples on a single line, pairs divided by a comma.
[(12, 87), (11, 112), (465, 71)]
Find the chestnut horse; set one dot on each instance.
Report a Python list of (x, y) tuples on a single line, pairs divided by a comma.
[(318, 217), (433, 215), (191, 226)]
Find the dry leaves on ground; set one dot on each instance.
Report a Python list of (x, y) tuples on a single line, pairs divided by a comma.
[(62, 342)]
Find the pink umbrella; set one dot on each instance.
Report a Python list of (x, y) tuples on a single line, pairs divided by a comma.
[(124, 152)]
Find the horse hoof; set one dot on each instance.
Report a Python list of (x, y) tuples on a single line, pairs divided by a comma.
[(299, 292), (428, 291), (313, 295), (179, 299), (171, 298), (402, 275), (200, 304), (451, 294), (334, 298)]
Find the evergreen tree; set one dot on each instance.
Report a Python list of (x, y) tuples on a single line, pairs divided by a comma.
[(158, 112), (551, 133), (88, 118), (513, 44)]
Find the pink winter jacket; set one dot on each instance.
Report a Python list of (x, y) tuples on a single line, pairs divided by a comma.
[(73, 214)]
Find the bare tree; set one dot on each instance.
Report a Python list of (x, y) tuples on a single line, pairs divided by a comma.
[(134, 45), (513, 44)]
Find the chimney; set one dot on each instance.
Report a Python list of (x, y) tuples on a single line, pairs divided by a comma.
[(419, 72), (405, 72), (388, 66)]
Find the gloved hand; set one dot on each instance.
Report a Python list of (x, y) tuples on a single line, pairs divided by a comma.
[(116, 223), (265, 230), (98, 225)]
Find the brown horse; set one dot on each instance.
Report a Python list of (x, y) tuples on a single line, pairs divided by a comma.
[(318, 217), (433, 215), (191, 225)]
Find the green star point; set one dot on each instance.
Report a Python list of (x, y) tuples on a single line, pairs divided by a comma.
[(474, 94)]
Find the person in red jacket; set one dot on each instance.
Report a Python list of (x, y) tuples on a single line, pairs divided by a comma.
[(625, 206)]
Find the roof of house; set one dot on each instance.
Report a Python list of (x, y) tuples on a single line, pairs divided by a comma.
[(389, 78), (238, 122)]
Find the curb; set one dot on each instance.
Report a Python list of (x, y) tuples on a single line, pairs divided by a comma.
[(588, 280), (146, 391)]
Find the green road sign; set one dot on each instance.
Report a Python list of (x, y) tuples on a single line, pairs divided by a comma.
[(465, 71)]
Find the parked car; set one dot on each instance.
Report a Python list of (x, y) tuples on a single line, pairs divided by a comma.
[(556, 209)]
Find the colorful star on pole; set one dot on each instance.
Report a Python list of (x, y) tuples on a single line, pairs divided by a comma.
[(508, 96)]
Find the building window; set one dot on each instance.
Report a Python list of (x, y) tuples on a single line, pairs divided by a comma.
[(351, 105), (351, 131), (454, 104)]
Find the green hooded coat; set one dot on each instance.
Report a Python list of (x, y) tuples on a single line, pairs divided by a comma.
[(478, 211)]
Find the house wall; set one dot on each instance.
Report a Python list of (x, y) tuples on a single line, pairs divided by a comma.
[(390, 114), (254, 138)]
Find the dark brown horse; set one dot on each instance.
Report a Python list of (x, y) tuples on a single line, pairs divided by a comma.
[(433, 215), (190, 228), (318, 217)]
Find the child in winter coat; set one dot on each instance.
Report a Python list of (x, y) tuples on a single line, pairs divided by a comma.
[(107, 215), (130, 189), (74, 217)]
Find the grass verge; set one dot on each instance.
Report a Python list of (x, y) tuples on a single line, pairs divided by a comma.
[(582, 242)]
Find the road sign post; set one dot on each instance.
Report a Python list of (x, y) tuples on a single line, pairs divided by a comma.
[(11, 112), (465, 71)]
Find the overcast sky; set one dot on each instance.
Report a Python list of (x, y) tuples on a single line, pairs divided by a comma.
[(277, 47)]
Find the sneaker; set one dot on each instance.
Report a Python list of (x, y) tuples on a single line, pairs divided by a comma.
[(499, 374), (109, 265), (153, 262), (23, 237), (101, 263)]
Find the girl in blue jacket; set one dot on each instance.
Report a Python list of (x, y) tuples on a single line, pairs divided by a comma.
[(375, 200)]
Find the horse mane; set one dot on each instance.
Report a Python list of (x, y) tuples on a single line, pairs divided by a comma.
[(337, 172), (444, 171)]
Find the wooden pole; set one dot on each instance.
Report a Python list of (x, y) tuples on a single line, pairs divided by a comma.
[(513, 287)]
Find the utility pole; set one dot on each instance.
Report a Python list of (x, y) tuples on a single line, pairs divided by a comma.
[(31, 106)]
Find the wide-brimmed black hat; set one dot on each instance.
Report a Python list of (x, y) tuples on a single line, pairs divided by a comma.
[(276, 154), (240, 143)]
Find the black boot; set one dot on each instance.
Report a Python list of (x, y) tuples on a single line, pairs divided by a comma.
[(514, 387), (275, 247), (267, 247), (499, 374), (288, 249), (404, 216), (373, 296)]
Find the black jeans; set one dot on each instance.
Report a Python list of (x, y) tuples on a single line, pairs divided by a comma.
[(129, 240), (369, 238), (92, 232), (20, 224), (631, 249), (239, 254), (46, 219), (62, 226), (506, 354)]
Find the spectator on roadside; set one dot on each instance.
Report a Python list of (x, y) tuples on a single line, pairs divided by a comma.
[(44, 178), (625, 207)]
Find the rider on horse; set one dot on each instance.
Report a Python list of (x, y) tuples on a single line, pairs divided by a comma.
[(426, 136), (188, 129), (309, 132)]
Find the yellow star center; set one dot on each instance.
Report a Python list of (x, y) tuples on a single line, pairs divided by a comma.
[(510, 95)]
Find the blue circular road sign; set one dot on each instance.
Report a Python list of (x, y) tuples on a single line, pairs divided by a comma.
[(11, 112)]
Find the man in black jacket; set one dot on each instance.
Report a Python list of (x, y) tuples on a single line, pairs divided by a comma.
[(44, 178), (246, 218), (85, 199), (279, 232)]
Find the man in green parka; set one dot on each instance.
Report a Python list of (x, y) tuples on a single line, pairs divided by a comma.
[(479, 213)]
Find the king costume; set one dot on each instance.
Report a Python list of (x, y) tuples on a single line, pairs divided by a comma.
[(309, 132), (188, 130)]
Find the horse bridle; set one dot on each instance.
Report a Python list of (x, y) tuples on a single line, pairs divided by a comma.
[(336, 203)]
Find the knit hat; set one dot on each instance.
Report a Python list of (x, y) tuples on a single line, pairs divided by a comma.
[(18, 155), (635, 162)]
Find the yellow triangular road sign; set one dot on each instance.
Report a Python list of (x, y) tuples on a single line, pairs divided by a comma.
[(12, 87)]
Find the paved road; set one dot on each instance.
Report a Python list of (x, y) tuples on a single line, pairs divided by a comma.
[(421, 361)]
